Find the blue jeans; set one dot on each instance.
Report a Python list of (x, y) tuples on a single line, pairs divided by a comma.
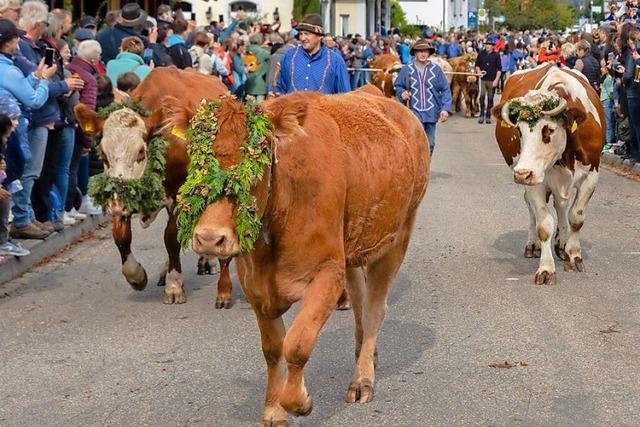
[(63, 160), (359, 78), (23, 214), (610, 115), (430, 130)]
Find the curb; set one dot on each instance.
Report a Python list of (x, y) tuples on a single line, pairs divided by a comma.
[(13, 267), (623, 165)]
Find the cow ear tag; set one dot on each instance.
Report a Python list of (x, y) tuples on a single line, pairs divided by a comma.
[(89, 128), (179, 133), (574, 127)]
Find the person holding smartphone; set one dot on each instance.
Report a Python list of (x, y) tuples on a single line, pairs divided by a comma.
[(630, 42)]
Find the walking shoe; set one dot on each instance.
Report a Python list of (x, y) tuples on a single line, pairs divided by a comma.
[(76, 215), (488, 121), (12, 248), (30, 231), (87, 207), (481, 120), (48, 227), (56, 226), (67, 219)]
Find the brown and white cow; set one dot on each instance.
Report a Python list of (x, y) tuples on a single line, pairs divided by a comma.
[(338, 206), (389, 66), (465, 86), (557, 154), (125, 135)]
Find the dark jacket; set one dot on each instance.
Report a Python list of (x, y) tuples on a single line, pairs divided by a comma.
[(50, 111), (591, 68), (110, 38), (489, 63), (88, 94), (179, 53), (632, 88)]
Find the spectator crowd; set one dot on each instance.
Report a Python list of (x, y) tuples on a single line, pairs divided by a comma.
[(48, 64)]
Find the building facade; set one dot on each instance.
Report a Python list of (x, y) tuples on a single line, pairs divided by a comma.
[(432, 13)]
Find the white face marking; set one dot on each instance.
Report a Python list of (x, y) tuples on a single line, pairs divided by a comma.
[(572, 86), (123, 145), (536, 155)]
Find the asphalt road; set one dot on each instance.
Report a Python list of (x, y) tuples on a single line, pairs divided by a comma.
[(78, 347)]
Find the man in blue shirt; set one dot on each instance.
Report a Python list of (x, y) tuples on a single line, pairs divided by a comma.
[(424, 88), (312, 67)]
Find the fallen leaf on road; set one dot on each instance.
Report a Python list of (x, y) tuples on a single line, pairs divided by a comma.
[(507, 365)]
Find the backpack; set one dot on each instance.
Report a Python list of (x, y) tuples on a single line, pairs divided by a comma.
[(180, 56)]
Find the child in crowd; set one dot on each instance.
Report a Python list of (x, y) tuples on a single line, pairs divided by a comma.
[(127, 83), (9, 116)]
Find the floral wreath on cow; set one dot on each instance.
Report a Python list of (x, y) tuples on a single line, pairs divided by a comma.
[(207, 182), (143, 195), (532, 110)]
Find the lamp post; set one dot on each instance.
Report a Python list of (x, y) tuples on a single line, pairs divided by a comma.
[(444, 16)]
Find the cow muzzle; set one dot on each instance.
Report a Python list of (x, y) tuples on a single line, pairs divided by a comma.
[(115, 208), (220, 243), (525, 177)]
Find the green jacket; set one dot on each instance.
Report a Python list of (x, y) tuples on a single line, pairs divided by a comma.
[(257, 81)]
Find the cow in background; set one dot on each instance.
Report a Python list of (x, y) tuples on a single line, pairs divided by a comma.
[(554, 155), (346, 222), (465, 86), (125, 135), (390, 66)]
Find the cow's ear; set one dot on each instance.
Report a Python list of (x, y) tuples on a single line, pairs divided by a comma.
[(497, 111), (89, 121), (176, 116), (573, 116), (287, 116)]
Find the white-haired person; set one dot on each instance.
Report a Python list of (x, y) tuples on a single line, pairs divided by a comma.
[(86, 65), (10, 9)]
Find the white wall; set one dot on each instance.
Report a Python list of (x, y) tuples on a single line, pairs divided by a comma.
[(357, 11), (429, 12)]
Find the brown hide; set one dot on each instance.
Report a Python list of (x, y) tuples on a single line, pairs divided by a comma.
[(464, 86), (383, 80), (584, 145), (350, 173)]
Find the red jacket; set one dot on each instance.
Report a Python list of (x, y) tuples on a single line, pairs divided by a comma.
[(88, 94)]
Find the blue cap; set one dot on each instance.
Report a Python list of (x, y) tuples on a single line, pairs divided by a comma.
[(83, 34), (9, 107)]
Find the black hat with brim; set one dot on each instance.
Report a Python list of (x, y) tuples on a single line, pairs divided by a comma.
[(423, 44), (311, 24), (131, 15)]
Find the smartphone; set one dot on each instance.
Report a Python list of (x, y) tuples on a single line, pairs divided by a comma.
[(49, 56)]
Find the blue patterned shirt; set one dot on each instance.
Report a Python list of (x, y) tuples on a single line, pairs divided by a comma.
[(429, 88), (323, 72)]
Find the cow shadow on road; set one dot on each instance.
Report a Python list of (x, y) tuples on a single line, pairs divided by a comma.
[(512, 243), (400, 345)]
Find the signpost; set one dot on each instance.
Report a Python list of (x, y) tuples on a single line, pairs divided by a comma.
[(472, 20), (482, 15)]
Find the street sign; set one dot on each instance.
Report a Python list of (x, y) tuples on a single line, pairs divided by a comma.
[(596, 9), (482, 15), (472, 20), (501, 19)]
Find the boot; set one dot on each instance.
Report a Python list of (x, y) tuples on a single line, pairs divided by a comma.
[(28, 232)]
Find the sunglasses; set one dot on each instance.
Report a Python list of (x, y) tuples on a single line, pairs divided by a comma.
[(15, 10)]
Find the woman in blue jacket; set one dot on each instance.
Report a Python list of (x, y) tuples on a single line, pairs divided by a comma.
[(30, 92)]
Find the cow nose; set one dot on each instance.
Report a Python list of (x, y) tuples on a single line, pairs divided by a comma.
[(522, 176), (210, 239)]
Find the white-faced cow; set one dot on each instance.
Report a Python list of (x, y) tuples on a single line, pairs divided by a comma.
[(551, 130), (124, 148), (337, 206)]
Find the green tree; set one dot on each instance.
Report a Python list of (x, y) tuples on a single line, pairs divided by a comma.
[(398, 17), (531, 14), (305, 7)]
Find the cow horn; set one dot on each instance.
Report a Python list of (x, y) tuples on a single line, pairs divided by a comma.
[(505, 114), (559, 109)]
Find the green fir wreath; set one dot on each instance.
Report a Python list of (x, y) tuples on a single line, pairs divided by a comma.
[(532, 113), (133, 105), (207, 182), (144, 195)]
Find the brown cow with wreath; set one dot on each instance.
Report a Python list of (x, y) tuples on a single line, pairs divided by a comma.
[(310, 193)]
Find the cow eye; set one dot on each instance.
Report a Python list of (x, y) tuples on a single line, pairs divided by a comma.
[(141, 155)]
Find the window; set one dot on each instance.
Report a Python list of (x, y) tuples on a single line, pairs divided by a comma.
[(344, 24)]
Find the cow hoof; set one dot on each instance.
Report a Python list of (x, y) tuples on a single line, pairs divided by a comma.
[(274, 423), (577, 265), (560, 253), (344, 303), (204, 267), (162, 281), (532, 250), (360, 391), (174, 296), (223, 302), (299, 409), (139, 283), (545, 278)]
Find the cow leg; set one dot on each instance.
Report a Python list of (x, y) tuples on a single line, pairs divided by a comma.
[(545, 226), (223, 298), (576, 221), (174, 290), (532, 248), (356, 285), (380, 275), (467, 101), (319, 301), (131, 268), (272, 334), (456, 97), (561, 205), (344, 302)]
